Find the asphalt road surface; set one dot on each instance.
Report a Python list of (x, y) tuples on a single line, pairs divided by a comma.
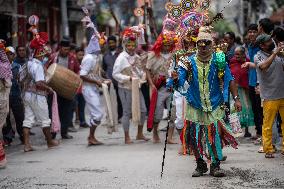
[(74, 165)]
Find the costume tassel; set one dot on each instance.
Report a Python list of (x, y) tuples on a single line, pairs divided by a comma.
[(200, 145), (209, 146), (197, 138), (218, 142), (227, 138), (210, 134), (183, 139)]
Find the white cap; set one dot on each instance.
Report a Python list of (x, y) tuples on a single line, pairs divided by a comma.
[(10, 49)]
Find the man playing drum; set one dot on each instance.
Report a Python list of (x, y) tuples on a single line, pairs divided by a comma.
[(36, 108), (65, 106)]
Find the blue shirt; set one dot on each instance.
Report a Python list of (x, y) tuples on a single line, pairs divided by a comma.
[(193, 93), (252, 51), (15, 89)]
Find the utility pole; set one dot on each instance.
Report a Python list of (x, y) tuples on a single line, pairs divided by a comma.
[(246, 19), (64, 18), (146, 21)]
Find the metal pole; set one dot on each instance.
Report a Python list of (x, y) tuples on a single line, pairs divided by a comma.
[(64, 19)]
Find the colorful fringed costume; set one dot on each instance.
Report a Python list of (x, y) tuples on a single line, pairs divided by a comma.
[(205, 88)]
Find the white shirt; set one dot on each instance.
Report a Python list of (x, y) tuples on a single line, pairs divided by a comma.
[(112, 53), (87, 67), (126, 62), (36, 70)]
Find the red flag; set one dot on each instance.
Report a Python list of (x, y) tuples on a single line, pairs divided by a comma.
[(151, 115)]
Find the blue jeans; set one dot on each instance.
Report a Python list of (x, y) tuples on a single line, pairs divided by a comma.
[(81, 108)]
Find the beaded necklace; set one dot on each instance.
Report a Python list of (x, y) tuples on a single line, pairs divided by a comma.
[(205, 67)]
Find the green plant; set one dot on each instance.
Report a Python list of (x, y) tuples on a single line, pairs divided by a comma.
[(222, 26)]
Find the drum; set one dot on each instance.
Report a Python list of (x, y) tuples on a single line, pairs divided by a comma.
[(63, 81)]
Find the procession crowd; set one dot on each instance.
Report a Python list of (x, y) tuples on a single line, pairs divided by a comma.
[(146, 79)]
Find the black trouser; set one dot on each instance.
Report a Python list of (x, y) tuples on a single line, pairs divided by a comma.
[(257, 110), (145, 92), (279, 121), (73, 107), (119, 105), (65, 109), (49, 102), (81, 108), (17, 107)]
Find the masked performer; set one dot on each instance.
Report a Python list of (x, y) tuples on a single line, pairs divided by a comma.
[(204, 79), (186, 47), (157, 69), (129, 74), (36, 107)]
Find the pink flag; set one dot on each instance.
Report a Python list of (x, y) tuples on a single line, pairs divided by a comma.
[(55, 124)]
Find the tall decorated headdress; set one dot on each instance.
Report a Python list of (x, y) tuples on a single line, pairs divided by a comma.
[(168, 35), (38, 45), (191, 15), (134, 33), (94, 43), (165, 38)]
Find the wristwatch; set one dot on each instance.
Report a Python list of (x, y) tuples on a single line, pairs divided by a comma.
[(236, 97)]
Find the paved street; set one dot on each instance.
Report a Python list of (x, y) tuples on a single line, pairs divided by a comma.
[(115, 165)]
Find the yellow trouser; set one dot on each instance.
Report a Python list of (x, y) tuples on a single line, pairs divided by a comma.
[(270, 109)]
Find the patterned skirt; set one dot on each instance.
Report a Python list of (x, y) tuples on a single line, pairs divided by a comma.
[(206, 133), (246, 115), (4, 104)]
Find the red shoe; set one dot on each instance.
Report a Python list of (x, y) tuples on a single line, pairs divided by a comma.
[(3, 160)]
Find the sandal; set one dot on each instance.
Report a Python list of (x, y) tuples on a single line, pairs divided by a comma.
[(269, 156), (260, 150), (258, 141), (274, 149), (29, 149)]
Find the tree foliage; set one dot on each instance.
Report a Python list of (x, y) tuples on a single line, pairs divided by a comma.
[(222, 26)]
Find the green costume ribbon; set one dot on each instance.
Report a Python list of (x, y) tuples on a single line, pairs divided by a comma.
[(221, 64)]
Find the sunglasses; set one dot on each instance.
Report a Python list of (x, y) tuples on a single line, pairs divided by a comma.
[(203, 43)]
